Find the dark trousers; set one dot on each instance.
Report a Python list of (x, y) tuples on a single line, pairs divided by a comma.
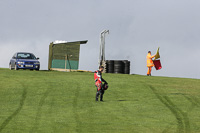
[(100, 92)]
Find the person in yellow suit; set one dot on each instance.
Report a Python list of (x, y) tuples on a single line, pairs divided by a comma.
[(149, 63)]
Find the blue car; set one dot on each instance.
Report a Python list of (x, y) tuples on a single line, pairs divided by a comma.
[(23, 60)]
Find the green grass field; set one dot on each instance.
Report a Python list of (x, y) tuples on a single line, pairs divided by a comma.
[(63, 102)]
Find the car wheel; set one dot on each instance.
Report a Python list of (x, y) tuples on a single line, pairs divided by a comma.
[(16, 67), (10, 67)]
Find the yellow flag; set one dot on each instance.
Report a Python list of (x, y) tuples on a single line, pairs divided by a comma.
[(157, 54)]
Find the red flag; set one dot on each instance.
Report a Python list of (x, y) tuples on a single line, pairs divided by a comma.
[(157, 64)]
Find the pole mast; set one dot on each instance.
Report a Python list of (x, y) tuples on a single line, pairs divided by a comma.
[(102, 60)]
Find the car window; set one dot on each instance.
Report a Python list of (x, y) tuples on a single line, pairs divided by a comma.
[(25, 56)]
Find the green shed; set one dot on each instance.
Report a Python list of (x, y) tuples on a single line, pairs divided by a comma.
[(64, 55)]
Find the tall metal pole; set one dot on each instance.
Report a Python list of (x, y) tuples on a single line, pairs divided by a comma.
[(102, 48)]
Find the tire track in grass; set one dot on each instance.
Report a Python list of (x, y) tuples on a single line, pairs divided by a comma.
[(38, 115), (194, 101), (75, 104), (183, 115), (120, 104), (183, 124), (16, 112)]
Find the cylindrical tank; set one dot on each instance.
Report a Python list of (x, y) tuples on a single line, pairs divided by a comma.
[(126, 67), (118, 66), (110, 66)]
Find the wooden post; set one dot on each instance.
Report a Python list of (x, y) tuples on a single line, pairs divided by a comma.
[(65, 62)]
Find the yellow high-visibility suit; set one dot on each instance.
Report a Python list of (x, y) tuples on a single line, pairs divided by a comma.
[(149, 63)]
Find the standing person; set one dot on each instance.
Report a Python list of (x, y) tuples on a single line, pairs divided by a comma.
[(149, 63), (98, 83)]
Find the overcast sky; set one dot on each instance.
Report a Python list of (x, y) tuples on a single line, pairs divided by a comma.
[(136, 26)]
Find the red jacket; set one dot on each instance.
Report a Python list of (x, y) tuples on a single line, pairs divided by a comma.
[(98, 76)]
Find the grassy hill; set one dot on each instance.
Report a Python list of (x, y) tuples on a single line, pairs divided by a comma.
[(62, 102)]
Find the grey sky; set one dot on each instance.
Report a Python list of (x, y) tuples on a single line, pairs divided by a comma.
[(136, 26)]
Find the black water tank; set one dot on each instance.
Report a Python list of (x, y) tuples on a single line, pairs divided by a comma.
[(126, 67), (110, 66), (118, 66)]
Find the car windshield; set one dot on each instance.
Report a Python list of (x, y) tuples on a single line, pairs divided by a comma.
[(25, 56)]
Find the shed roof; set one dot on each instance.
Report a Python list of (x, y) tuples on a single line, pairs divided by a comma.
[(75, 42)]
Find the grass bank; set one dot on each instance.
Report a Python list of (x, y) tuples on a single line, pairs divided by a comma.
[(50, 101)]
